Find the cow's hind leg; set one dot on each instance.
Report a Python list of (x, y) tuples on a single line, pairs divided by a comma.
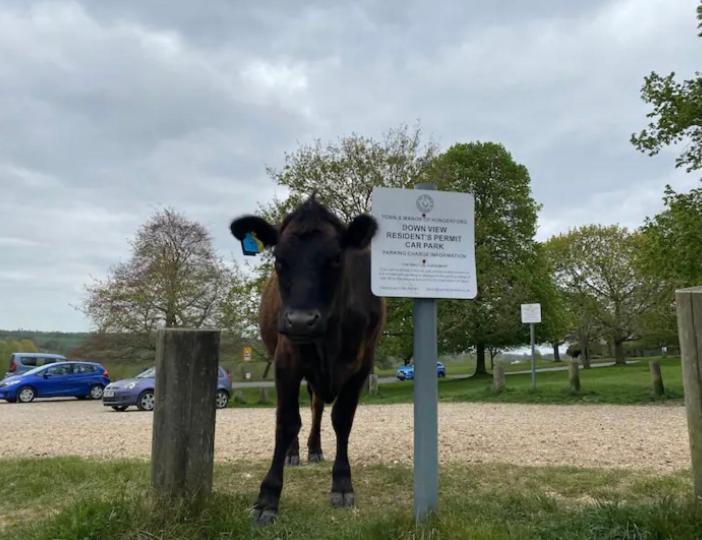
[(342, 419), (286, 429), (292, 456), (314, 442)]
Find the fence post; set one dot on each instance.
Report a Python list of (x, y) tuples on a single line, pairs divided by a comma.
[(182, 448), (656, 378), (574, 375), (689, 309), (498, 377), (263, 395)]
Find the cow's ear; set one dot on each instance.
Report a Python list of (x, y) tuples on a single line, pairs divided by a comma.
[(264, 231), (360, 231)]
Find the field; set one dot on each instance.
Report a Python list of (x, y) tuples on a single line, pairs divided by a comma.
[(630, 384), (94, 500)]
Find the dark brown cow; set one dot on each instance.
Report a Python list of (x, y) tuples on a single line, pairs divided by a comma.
[(320, 321)]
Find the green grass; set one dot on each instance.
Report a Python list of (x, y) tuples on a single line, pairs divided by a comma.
[(465, 365), (70, 498), (623, 385)]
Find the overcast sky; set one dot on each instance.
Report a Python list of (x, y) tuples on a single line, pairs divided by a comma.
[(111, 110)]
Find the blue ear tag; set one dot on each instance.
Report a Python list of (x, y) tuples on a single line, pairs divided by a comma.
[(251, 245)]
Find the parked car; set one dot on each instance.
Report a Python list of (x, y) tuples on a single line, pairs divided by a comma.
[(21, 362), (139, 391), (84, 380), (406, 373)]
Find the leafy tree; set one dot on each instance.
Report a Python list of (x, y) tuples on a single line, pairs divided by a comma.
[(344, 174), (173, 278), (556, 319), (669, 253), (596, 265), (506, 260), (676, 115), (671, 243)]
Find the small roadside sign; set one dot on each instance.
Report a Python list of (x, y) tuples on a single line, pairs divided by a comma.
[(246, 353), (531, 313)]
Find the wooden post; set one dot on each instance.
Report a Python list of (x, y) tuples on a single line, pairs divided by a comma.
[(574, 375), (263, 395), (689, 308), (498, 377), (656, 378), (182, 449), (372, 384)]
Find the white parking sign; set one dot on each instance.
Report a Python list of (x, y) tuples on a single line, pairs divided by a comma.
[(425, 244)]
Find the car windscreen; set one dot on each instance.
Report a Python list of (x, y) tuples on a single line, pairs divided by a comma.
[(147, 374), (35, 370)]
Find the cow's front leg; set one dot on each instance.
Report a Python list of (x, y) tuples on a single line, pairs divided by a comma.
[(287, 426), (342, 419)]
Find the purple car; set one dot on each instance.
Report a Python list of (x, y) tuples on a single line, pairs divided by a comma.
[(139, 391)]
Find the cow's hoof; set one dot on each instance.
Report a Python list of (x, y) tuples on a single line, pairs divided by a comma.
[(315, 457), (292, 461), (342, 500), (263, 516)]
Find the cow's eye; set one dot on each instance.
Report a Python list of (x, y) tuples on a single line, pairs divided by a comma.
[(279, 266), (335, 261)]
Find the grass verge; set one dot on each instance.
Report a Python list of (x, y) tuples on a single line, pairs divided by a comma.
[(623, 385), (71, 498)]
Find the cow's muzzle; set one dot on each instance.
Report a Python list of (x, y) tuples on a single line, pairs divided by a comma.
[(302, 325)]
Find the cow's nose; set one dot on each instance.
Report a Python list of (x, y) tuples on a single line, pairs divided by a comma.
[(302, 322)]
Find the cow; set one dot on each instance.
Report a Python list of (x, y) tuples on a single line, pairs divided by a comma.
[(320, 321)]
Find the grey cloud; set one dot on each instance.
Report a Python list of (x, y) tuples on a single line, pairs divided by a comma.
[(110, 110)]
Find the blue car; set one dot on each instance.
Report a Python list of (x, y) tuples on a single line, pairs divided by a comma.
[(406, 373), (84, 380), (139, 391)]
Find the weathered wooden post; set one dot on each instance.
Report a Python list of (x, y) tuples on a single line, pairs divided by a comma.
[(263, 395), (574, 375), (182, 449), (372, 384), (656, 378), (498, 377), (689, 308)]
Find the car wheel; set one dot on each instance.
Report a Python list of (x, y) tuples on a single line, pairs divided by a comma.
[(119, 408), (442, 374), (146, 401), (96, 391), (25, 394), (222, 399)]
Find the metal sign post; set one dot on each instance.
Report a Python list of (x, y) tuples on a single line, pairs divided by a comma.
[(424, 249), (531, 313), (533, 357), (426, 397)]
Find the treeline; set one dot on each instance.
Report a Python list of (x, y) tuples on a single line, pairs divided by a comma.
[(600, 287), (53, 342)]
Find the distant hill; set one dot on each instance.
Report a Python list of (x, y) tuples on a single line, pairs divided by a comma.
[(53, 342)]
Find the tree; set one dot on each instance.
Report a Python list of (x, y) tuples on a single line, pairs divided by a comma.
[(173, 278), (506, 260), (671, 240), (343, 175), (596, 265), (676, 115), (669, 253)]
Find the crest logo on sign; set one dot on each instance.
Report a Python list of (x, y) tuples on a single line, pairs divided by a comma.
[(425, 203)]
